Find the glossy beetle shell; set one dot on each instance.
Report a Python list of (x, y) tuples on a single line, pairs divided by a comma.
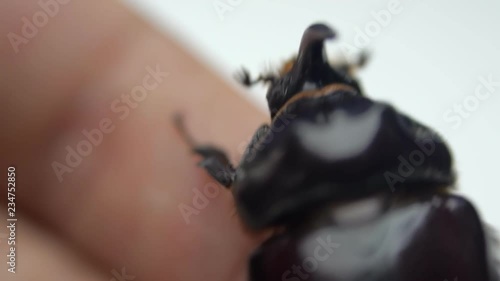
[(337, 147), (435, 238)]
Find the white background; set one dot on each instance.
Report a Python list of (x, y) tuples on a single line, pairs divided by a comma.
[(429, 57)]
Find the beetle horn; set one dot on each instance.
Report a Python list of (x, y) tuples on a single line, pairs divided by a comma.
[(311, 49)]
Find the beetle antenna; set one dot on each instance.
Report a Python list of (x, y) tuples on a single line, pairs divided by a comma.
[(244, 78)]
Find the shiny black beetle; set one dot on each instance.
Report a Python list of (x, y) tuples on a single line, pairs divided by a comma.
[(359, 190)]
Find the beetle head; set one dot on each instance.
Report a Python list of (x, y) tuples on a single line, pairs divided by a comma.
[(310, 70)]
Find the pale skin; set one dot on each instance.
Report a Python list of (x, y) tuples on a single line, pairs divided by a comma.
[(120, 207)]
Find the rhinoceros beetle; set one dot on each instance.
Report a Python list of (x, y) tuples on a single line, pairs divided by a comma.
[(359, 190)]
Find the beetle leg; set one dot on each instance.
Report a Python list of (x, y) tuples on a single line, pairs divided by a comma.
[(215, 160), (216, 163), (253, 146)]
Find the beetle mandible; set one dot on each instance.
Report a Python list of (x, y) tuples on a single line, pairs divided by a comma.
[(337, 181)]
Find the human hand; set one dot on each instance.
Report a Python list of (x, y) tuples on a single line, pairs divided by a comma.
[(116, 213)]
